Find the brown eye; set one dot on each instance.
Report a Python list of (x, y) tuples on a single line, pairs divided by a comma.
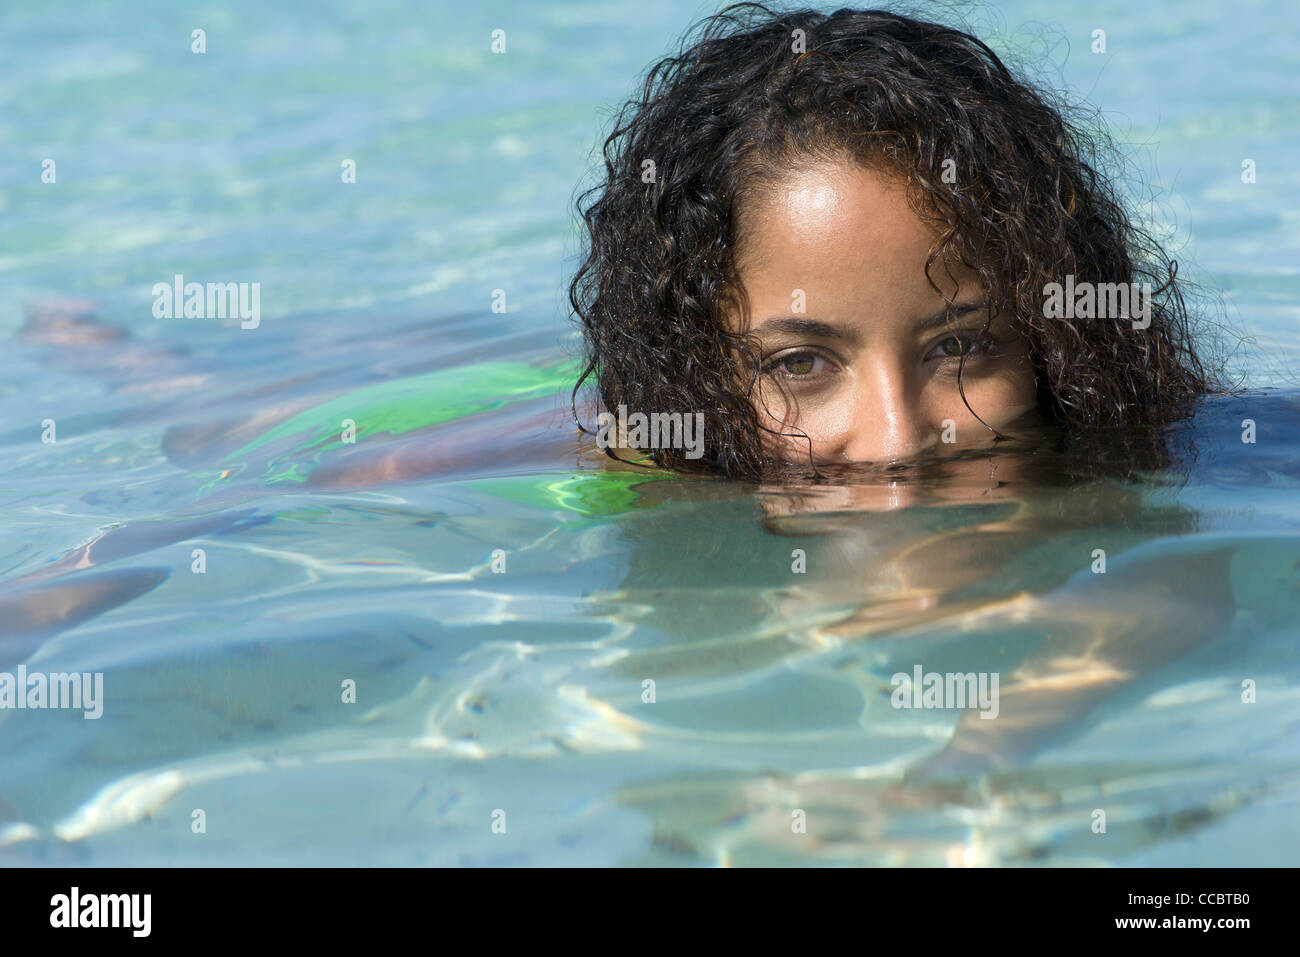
[(801, 363), (800, 367), (954, 347), (971, 347)]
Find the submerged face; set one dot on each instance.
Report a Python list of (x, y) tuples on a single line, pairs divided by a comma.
[(868, 367)]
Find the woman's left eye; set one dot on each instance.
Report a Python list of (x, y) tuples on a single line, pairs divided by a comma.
[(955, 347)]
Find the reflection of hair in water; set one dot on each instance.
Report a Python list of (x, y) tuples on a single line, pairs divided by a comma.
[(1042, 453), (708, 559), (1024, 200)]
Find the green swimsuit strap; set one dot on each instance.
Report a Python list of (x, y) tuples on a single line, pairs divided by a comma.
[(290, 451)]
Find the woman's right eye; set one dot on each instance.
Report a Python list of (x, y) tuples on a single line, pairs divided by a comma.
[(799, 365)]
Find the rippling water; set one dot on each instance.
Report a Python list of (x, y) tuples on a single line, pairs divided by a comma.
[(500, 601)]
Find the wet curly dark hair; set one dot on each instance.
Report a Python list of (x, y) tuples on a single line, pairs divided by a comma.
[(739, 104)]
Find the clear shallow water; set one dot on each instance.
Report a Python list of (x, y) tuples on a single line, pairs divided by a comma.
[(523, 691)]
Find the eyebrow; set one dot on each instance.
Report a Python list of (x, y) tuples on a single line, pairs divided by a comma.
[(817, 329)]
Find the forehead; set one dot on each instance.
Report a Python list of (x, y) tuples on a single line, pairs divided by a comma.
[(840, 225)]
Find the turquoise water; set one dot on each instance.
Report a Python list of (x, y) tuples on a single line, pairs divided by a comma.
[(481, 690)]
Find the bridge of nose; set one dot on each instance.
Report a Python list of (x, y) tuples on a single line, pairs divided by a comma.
[(888, 418)]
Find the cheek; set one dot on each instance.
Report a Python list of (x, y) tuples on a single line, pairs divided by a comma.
[(826, 420), (996, 400), (1008, 391)]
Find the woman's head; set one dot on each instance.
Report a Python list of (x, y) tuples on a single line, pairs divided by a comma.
[(868, 368), (832, 236)]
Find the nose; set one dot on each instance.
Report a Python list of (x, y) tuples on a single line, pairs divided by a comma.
[(886, 419)]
